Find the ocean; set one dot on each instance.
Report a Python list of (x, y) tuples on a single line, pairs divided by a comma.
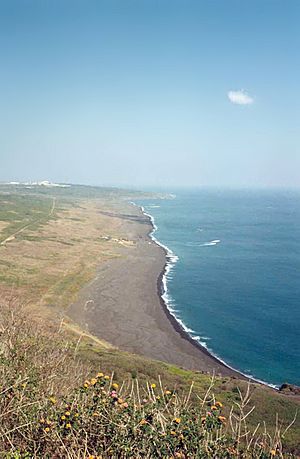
[(233, 278)]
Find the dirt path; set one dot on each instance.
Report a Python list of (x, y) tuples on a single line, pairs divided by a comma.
[(12, 236)]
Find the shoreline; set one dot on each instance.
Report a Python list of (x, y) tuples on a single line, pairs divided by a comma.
[(124, 303), (179, 327), (170, 260)]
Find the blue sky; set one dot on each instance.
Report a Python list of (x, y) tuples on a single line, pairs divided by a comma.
[(135, 92)]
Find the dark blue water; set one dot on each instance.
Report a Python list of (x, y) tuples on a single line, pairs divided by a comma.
[(236, 284)]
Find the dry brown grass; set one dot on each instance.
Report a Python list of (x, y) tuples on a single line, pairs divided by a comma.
[(47, 265), (49, 409)]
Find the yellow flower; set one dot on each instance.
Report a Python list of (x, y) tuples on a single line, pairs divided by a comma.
[(92, 457), (68, 426), (173, 432), (48, 422), (153, 386), (47, 429), (168, 392), (177, 420), (157, 397), (100, 375), (67, 413), (93, 381), (86, 385), (219, 404), (24, 385), (214, 408), (222, 418), (76, 415), (106, 377), (95, 414), (273, 452), (63, 418), (115, 385), (87, 382), (42, 421), (143, 422), (53, 400)]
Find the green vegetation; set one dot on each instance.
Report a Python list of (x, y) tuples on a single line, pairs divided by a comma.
[(51, 239), (21, 205), (58, 399), (69, 285), (73, 192), (38, 226), (20, 212), (67, 394)]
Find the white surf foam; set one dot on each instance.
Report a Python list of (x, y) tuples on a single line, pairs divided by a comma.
[(172, 258), (208, 244)]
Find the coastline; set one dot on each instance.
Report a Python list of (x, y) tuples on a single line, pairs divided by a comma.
[(176, 323), (124, 303)]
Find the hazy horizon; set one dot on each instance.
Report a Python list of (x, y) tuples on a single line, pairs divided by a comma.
[(167, 188), (151, 94)]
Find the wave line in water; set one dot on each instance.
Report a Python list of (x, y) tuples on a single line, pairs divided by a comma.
[(207, 244), (171, 260)]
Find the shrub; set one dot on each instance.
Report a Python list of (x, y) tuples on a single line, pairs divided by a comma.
[(50, 408)]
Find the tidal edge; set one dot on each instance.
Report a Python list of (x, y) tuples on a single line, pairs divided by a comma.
[(174, 322)]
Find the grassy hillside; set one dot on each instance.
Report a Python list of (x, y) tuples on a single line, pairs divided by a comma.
[(67, 397)]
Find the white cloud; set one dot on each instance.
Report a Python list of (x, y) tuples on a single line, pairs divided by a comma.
[(240, 97)]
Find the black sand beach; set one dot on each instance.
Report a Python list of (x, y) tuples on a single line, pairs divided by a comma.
[(124, 306)]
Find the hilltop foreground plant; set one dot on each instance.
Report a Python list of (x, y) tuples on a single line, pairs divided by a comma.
[(50, 408)]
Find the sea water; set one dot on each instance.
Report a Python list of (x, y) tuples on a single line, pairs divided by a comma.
[(235, 285)]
